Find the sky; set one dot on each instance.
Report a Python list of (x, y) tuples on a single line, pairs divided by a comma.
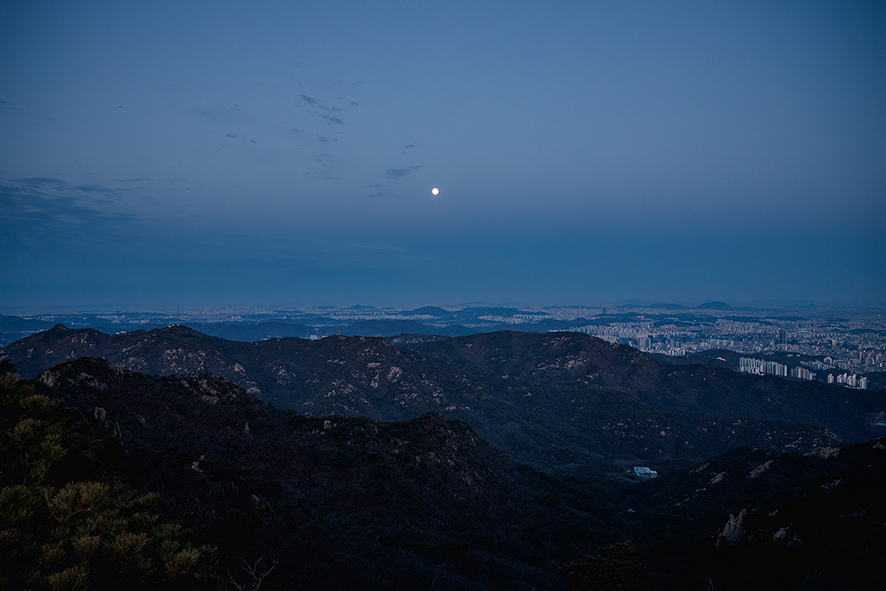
[(190, 154)]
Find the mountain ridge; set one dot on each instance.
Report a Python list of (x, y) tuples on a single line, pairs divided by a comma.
[(415, 502), (553, 400)]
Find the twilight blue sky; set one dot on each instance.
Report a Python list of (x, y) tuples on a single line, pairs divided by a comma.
[(181, 154)]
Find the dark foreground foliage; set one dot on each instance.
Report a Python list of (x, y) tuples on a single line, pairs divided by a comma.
[(614, 567), (58, 531), (113, 479), (332, 502)]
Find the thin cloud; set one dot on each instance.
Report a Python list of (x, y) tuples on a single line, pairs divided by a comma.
[(377, 190), (51, 209), (54, 187), (96, 189), (327, 112), (39, 182), (219, 114), (392, 175), (396, 174)]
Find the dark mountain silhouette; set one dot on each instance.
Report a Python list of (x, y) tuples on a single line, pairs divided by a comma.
[(429, 311), (715, 305), (391, 328), (577, 361), (249, 332), (552, 400), (259, 331), (712, 357), (340, 502)]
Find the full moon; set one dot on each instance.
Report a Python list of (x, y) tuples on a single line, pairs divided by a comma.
[(434, 191)]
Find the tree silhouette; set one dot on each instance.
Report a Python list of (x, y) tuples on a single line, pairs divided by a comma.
[(613, 568), (58, 532)]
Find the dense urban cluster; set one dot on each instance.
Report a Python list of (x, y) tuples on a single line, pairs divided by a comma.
[(834, 346), (843, 343)]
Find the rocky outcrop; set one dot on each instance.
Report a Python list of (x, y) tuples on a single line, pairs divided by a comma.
[(733, 530)]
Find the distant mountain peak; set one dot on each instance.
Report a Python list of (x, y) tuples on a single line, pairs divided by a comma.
[(178, 329)]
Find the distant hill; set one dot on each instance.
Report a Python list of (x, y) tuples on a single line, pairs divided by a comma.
[(391, 328), (249, 332), (429, 311), (715, 305), (548, 325), (14, 323), (13, 328), (475, 312)]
